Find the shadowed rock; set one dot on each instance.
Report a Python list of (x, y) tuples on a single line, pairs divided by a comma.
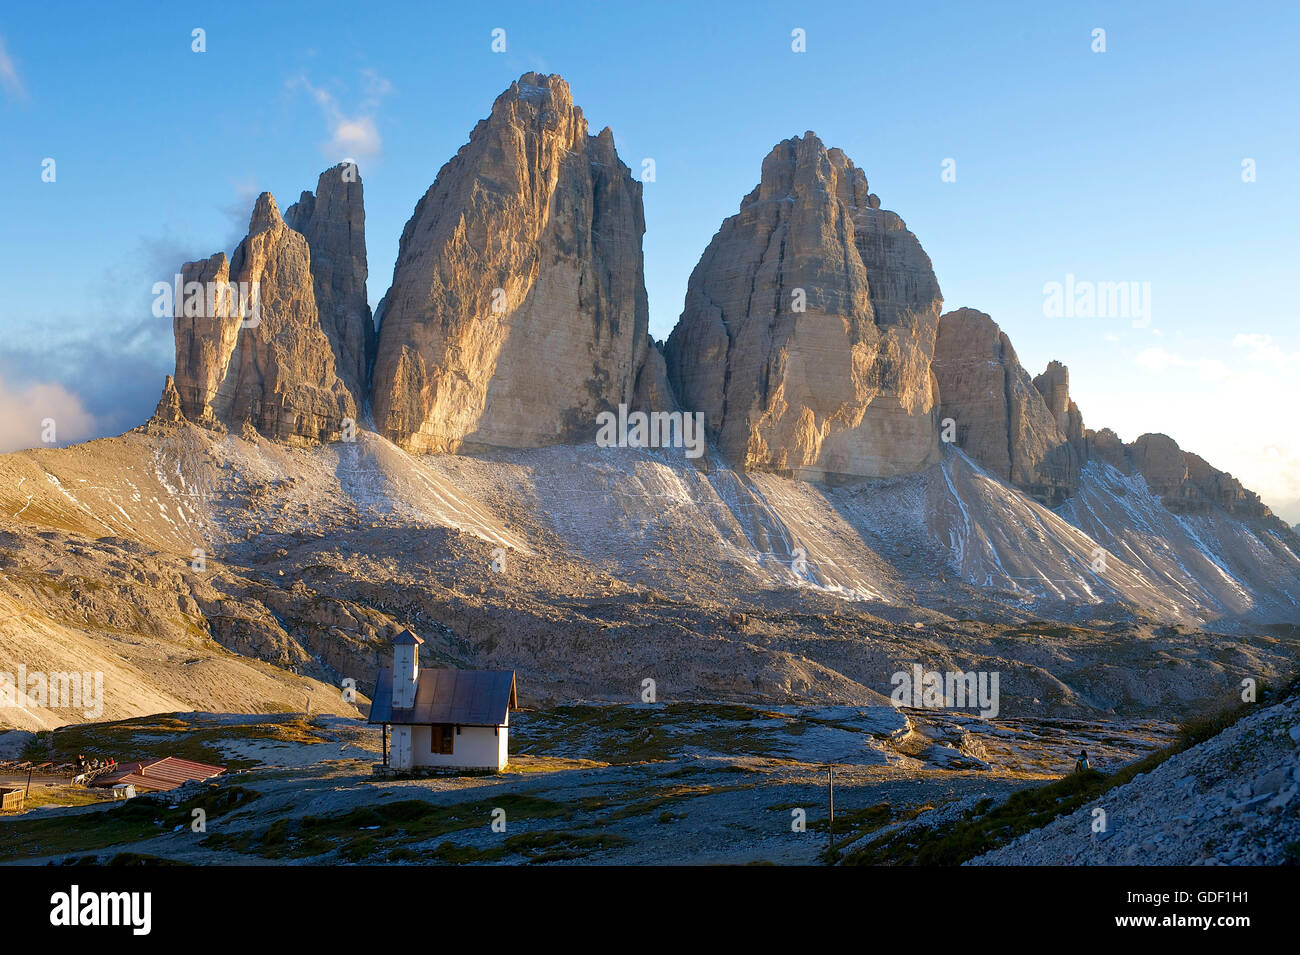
[(1004, 419), (333, 220)]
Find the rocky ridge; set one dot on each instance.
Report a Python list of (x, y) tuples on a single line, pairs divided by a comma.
[(811, 340), (1003, 418)]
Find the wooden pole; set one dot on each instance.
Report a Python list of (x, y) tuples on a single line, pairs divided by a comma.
[(28, 791), (830, 795)]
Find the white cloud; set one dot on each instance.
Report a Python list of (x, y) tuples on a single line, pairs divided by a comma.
[(1263, 349), (24, 411), (353, 134), (10, 81), (1157, 360), (356, 137)]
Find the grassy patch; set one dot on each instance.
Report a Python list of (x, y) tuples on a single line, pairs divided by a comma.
[(541, 847), (638, 734), (64, 796), (393, 831), (524, 764), (635, 806), (853, 824), (856, 820), (196, 738), (381, 830), (141, 818), (953, 844), (1039, 629), (535, 847), (123, 859), (37, 749)]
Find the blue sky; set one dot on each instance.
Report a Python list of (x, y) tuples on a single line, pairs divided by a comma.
[(1115, 166)]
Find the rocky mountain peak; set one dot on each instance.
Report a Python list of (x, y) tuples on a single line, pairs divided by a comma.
[(1188, 484), (1031, 433), (266, 215), (1054, 385), (250, 350), (1017, 428), (518, 310), (810, 339), (809, 325), (169, 405), (333, 221), (1160, 461), (540, 102)]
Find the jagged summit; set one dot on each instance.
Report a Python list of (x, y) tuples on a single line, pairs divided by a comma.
[(168, 410), (1054, 385), (809, 326), (1030, 433), (265, 215), (1016, 427), (333, 220), (250, 349), (518, 309)]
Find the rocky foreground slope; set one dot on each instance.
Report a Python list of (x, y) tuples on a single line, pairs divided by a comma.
[(1232, 800)]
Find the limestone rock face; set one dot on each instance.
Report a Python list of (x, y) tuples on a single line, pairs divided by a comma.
[(333, 220), (653, 390), (169, 405), (1223, 489), (1188, 484), (271, 367), (1160, 461), (1054, 385), (1003, 421), (518, 308), (1105, 445), (809, 326)]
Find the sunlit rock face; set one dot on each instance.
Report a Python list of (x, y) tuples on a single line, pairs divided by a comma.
[(518, 308), (259, 355), (809, 326)]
